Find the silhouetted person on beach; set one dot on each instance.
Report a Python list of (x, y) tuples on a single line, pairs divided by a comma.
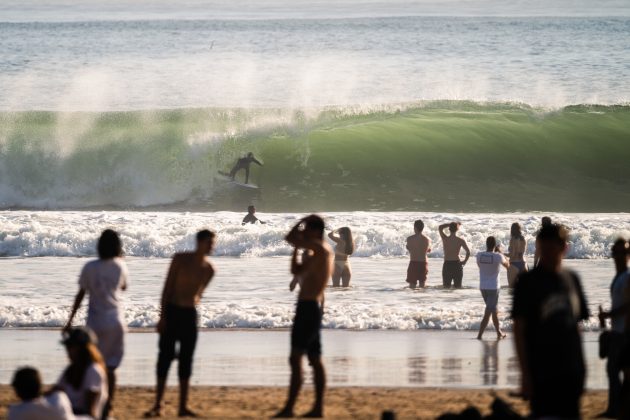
[(545, 221), (618, 290), (85, 380), (490, 263), (244, 163), (27, 384), (344, 247), (453, 268), (418, 246), (188, 276), (516, 254), (547, 308), (251, 217), (305, 337), (102, 280)]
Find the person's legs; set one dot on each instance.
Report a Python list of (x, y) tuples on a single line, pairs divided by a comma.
[(497, 325), (423, 272), (246, 174), (336, 276), (458, 274), (613, 369), (446, 278), (111, 389), (188, 341), (165, 357), (295, 384), (319, 377), (412, 274), (346, 275), (624, 408)]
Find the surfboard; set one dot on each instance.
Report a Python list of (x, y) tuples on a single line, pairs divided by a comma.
[(222, 176)]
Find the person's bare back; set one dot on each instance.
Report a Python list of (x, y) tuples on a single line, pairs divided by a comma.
[(188, 277), (418, 246), (453, 244)]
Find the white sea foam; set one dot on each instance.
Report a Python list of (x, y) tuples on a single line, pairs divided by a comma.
[(377, 234)]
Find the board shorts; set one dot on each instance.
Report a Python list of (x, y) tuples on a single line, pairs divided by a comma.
[(417, 272), (491, 298), (452, 274), (180, 326), (305, 335), (110, 332)]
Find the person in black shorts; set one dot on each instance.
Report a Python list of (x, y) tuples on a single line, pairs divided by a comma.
[(548, 306), (314, 273), (453, 268), (188, 276)]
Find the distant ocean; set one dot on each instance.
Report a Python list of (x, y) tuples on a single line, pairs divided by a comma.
[(120, 114)]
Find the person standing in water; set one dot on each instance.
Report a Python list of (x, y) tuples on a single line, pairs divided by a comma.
[(490, 263), (188, 276), (418, 246), (244, 163), (344, 247), (516, 254), (103, 280), (308, 234), (453, 268), (251, 217)]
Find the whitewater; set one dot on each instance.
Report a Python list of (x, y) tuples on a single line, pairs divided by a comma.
[(374, 114)]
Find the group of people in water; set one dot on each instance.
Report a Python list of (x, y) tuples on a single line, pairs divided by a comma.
[(548, 306)]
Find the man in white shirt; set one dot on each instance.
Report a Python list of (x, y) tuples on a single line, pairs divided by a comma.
[(28, 387), (490, 263)]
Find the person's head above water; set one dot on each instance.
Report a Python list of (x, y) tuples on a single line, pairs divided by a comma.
[(205, 241), (453, 227), (313, 227), (109, 245), (251, 209), (27, 383), (620, 250), (545, 221), (418, 226), (491, 244), (552, 242), (515, 230)]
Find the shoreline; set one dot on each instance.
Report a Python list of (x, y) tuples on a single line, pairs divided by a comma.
[(341, 402)]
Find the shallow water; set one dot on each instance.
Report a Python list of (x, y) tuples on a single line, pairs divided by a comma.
[(352, 358)]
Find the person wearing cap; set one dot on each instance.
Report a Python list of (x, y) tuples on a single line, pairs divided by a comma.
[(188, 276), (85, 380), (27, 384), (103, 280)]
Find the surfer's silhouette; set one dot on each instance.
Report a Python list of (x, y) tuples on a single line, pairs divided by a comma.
[(243, 163)]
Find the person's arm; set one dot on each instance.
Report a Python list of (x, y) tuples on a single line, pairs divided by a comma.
[(296, 267), (504, 261), (75, 307), (518, 326), (465, 246), (335, 239), (536, 255), (441, 230), (167, 291), (256, 162), (429, 244)]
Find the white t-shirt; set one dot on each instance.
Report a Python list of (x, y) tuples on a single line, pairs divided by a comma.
[(103, 280), (55, 406), (95, 380), (489, 268)]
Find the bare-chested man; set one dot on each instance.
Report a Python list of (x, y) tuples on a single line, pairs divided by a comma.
[(418, 246), (189, 275), (453, 268), (314, 272)]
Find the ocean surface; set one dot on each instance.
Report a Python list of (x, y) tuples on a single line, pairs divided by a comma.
[(467, 106)]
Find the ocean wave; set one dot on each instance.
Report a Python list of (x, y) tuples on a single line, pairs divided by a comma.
[(434, 156), (377, 234)]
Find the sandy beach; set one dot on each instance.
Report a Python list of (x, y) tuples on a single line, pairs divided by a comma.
[(342, 403)]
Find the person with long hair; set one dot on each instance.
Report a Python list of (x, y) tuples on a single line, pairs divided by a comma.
[(102, 280), (84, 381), (344, 247), (516, 254)]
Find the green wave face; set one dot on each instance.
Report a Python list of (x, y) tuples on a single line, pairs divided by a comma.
[(448, 156)]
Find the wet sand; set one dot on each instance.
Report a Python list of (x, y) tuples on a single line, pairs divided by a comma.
[(341, 403)]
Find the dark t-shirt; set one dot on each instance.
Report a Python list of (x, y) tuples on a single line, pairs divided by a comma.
[(551, 305)]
